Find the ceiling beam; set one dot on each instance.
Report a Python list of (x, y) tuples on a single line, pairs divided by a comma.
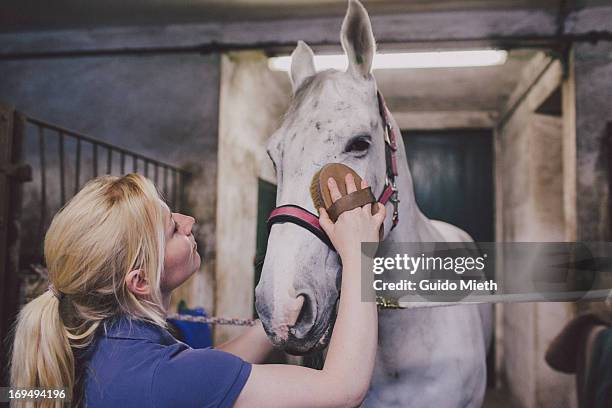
[(453, 27), (501, 28)]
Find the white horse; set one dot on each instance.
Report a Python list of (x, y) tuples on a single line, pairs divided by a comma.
[(427, 357)]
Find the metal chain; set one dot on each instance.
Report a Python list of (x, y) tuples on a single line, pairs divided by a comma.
[(387, 303), (213, 320)]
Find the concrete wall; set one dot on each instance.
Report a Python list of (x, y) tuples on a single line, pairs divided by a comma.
[(162, 106), (253, 100), (530, 207)]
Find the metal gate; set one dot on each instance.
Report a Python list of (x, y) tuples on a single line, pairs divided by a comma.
[(42, 166)]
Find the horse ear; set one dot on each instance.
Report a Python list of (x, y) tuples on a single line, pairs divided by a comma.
[(302, 64), (357, 39)]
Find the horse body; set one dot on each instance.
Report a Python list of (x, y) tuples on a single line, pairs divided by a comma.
[(428, 356)]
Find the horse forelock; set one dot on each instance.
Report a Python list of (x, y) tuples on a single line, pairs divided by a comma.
[(311, 86)]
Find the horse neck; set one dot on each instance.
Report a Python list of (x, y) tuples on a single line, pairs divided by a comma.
[(413, 225)]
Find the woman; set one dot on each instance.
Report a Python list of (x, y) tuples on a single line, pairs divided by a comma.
[(114, 253)]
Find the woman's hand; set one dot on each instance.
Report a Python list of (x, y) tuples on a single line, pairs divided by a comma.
[(352, 227)]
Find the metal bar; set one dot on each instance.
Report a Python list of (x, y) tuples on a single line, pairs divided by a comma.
[(134, 163), (166, 182), (61, 169), (156, 170), (174, 191), (146, 168), (122, 163), (94, 141), (418, 302), (179, 187), (43, 181), (185, 180), (77, 167), (95, 159), (109, 161)]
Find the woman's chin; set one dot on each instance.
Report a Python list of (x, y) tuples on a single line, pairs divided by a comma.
[(198, 262)]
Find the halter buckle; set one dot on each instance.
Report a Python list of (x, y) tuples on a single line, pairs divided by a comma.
[(388, 130), (395, 202), (393, 199)]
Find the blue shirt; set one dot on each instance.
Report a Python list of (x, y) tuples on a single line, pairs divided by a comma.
[(137, 364)]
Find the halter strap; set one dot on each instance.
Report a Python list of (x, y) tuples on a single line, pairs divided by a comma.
[(390, 192), (300, 216)]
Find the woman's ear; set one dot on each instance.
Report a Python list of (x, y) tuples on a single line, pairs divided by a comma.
[(137, 283), (357, 39)]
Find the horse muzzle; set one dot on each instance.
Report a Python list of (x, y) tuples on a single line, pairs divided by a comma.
[(295, 330)]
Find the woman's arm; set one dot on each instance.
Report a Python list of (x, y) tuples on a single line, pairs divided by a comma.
[(253, 345), (345, 377)]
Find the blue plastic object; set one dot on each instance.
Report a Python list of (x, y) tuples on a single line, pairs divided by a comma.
[(194, 334)]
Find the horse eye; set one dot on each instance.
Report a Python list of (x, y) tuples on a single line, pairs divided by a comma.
[(358, 144)]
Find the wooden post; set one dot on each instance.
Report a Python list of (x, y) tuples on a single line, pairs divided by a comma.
[(12, 173), (6, 132)]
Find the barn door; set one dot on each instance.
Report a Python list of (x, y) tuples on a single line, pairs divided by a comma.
[(453, 177)]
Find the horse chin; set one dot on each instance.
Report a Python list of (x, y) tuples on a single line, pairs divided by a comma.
[(310, 344)]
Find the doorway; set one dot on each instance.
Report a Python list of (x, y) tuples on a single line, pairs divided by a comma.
[(452, 172)]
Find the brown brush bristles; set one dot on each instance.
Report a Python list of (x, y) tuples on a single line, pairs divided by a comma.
[(315, 192)]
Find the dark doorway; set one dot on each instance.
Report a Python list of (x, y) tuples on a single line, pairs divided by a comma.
[(266, 202), (452, 172)]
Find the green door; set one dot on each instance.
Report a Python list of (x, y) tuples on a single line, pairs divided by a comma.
[(266, 202), (453, 177)]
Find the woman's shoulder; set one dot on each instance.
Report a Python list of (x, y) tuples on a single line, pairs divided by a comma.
[(124, 351), (131, 358)]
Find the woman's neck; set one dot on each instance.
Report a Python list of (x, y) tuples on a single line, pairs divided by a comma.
[(166, 298)]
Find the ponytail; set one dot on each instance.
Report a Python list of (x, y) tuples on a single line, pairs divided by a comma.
[(42, 356), (123, 221)]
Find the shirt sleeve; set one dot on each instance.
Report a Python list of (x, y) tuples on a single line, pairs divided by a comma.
[(200, 378)]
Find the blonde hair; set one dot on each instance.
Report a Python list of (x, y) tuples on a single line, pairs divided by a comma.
[(112, 226)]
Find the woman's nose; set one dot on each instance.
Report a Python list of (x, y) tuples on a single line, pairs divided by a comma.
[(185, 223)]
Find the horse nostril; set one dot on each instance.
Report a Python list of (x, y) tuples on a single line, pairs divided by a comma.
[(294, 310), (306, 318)]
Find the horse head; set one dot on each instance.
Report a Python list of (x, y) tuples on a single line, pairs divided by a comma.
[(333, 117)]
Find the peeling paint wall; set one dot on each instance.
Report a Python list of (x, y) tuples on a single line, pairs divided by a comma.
[(253, 100)]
